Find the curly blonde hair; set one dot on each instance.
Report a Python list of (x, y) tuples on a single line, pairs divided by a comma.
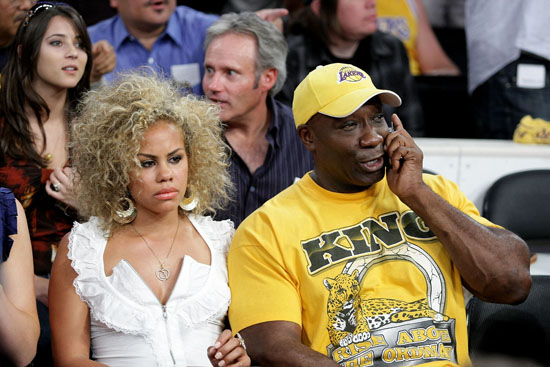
[(108, 130)]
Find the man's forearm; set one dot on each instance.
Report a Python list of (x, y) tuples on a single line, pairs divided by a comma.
[(294, 355), (493, 262), (278, 343)]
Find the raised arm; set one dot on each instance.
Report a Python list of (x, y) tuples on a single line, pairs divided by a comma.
[(69, 315), (19, 328), (278, 343), (493, 262)]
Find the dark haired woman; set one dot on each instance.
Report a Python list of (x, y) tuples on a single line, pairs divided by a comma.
[(48, 69)]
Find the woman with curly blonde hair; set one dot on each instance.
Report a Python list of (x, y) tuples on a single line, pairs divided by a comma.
[(145, 277)]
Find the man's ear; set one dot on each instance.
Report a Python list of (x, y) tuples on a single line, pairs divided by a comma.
[(268, 79), (307, 136), (113, 4)]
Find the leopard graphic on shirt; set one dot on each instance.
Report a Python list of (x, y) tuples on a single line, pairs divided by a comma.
[(382, 331), (349, 315)]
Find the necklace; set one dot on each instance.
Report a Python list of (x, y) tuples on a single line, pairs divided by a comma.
[(54, 145), (162, 274)]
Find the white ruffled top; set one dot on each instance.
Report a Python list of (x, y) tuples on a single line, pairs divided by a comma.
[(129, 325)]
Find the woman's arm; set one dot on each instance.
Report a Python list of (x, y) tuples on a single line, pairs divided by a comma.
[(19, 327), (432, 59), (69, 315)]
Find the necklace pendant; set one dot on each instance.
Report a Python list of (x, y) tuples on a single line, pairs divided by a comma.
[(162, 274)]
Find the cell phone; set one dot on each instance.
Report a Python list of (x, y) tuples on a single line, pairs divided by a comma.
[(386, 158)]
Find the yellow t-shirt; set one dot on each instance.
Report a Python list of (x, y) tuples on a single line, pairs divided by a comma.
[(361, 273), (400, 18)]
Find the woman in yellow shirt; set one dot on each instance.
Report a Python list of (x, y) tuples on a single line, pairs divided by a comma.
[(408, 21)]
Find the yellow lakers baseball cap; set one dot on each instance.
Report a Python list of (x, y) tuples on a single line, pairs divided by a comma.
[(336, 90)]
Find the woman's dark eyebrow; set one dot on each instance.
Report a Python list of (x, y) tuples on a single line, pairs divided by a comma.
[(57, 35), (154, 156)]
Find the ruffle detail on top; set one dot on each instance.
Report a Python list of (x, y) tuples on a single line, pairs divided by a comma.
[(109, 306), (217, 234), (212, 302), (86, 246), (8, 224)]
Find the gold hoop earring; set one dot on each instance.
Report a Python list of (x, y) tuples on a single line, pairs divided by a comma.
[(189, 203), (127, 211)]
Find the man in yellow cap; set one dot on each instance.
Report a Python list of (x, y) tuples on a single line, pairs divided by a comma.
[(363, 261)]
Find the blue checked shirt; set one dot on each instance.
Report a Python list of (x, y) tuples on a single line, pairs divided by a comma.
[(178, 52)]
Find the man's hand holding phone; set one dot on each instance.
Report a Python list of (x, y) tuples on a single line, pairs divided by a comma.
[(404, 169)]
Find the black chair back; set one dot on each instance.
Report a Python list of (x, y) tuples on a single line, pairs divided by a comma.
[(515, 331), (520, 202)]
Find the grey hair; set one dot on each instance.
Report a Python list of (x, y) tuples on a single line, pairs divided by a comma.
[(271, 44)]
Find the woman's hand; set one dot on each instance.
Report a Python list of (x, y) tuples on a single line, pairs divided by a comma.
[(228, 351), (60, 186)]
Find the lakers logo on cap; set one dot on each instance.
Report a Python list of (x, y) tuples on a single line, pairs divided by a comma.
[(350, 74)]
